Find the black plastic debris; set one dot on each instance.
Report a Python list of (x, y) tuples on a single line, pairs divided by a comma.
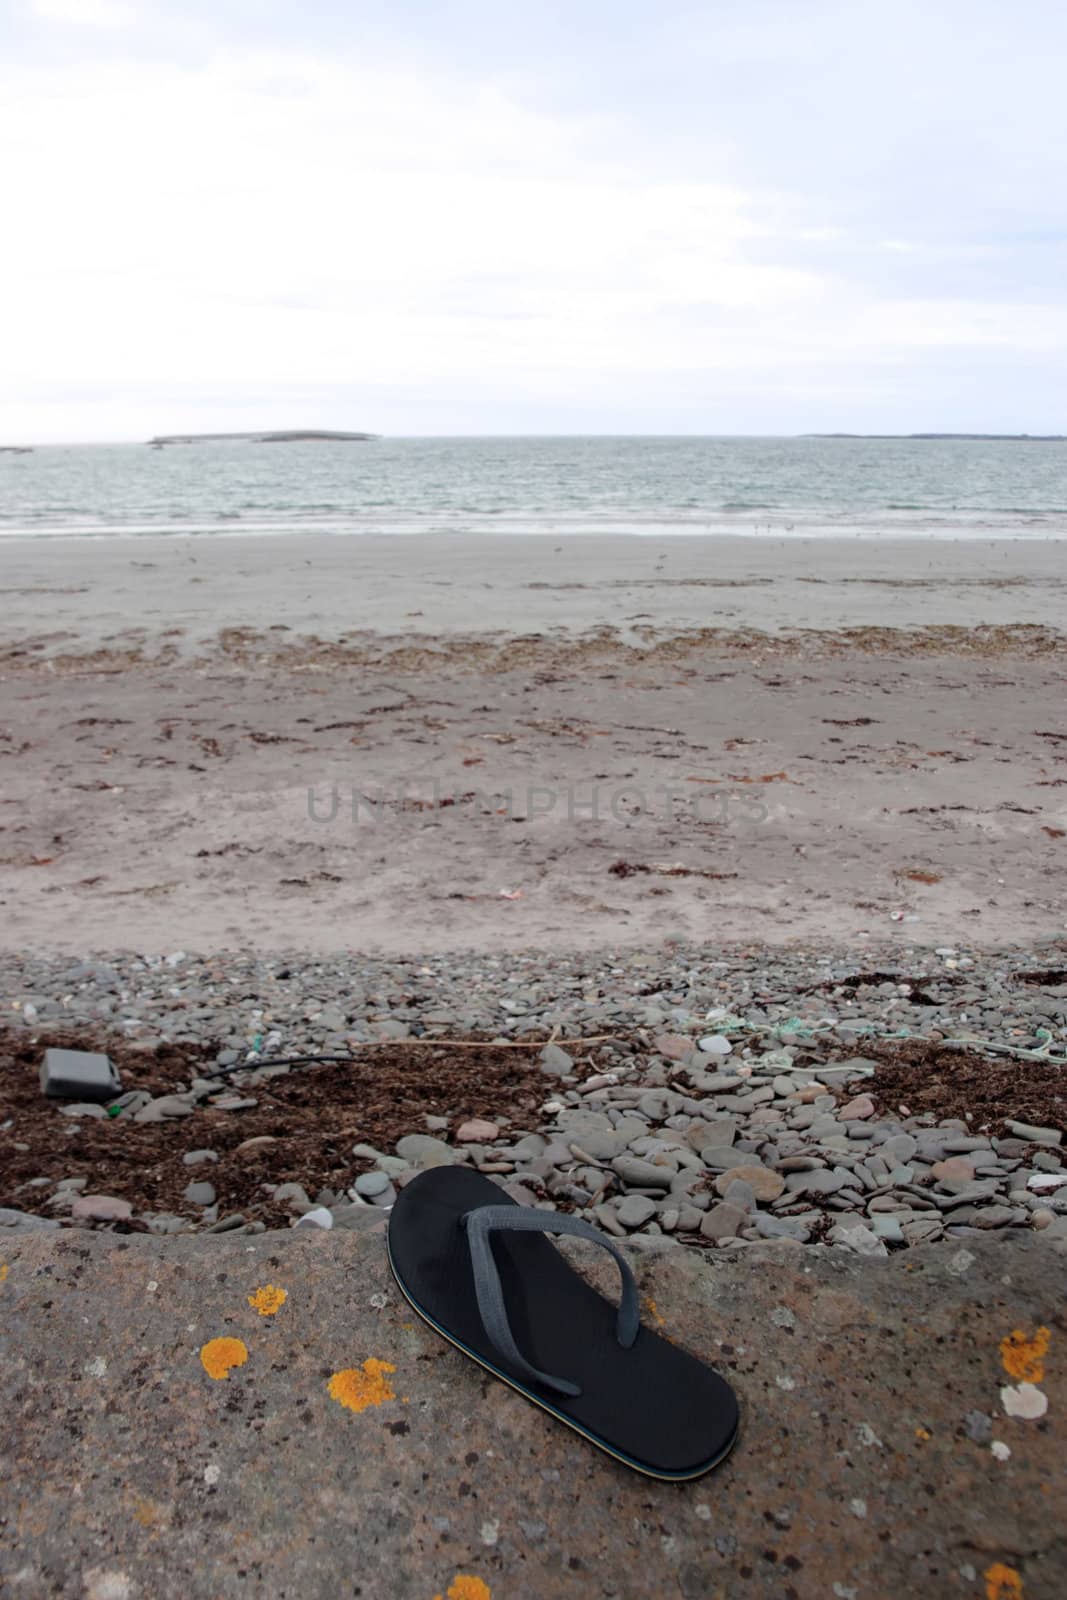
[(79, 1075)]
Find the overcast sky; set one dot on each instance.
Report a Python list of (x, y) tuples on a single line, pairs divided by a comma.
[(591, 216)]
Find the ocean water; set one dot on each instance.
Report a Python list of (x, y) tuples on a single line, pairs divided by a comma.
[(858, 488)]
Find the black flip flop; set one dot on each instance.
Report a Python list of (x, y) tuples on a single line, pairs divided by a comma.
[(478, 1268)]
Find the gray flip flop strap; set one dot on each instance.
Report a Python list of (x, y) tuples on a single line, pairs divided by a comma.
[(485, 1220)]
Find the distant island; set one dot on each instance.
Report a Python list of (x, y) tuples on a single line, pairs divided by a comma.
[(290, 436), (1015, 438)]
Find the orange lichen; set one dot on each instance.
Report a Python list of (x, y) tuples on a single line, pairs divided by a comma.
[(1002, 1583), (1024, 1357), (923, 1434), (654, 1312), (360, 1387), (466, 1587), (219, 1355), (4, 1269), (268, 1300)]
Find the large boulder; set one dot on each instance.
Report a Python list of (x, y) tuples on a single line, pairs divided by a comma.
[(874, 1457)]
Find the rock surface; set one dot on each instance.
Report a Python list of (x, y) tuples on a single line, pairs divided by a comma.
[(130, 1472)]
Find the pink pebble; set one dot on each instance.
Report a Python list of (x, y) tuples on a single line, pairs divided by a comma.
[(476, 1132), (101, 1208), (674, 1046)]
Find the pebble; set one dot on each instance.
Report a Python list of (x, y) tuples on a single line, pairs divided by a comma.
[(101, 1208), (954, 1169), (821, 1181), (24, 1221), (640, 1174), (1024, 1130), (422, 1150), (227, 1224), (899, 1147), (376, 1187), (781, 1227), (477, 1131), (717, 1134), (723, 1222), (722, 1158), (673, 1046), (922, 1230), (738, 1193), (664, 1117), (854, 1235), (888, 1227), (318, 1217), (161, 1110), (556, 1062), (765, 1184), (255, 1147), (635, 1210), (859, 1108), (200, 1194)]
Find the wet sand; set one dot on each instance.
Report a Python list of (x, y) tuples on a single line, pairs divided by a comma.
[(180, 591)]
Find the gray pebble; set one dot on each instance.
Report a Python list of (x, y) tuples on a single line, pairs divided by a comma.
[(640, 1174), (822, 1181), (23, 1221), (422, 1150), (635, 1210), (375, 1186), (723, 1221), (556, 1062), (1025, 1130), (721, 1158)]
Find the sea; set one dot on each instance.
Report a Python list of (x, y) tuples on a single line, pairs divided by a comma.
[(755, 487)]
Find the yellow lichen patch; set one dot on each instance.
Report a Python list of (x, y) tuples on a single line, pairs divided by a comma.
[(1002, 1583), (466, 1587), (653, 1311), (219, 1355), (4, 1269), (1024, 1357), (147, 1513), (360, 1387), (922, 1434), (268, 1300)]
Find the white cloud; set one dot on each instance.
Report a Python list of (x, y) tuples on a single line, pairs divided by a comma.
[(86, 13), (300, 221), (277, 224)]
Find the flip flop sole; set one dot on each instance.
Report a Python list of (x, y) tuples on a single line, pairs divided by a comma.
[(655, 1408)]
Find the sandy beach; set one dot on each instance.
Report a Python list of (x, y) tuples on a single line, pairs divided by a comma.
[(396, 743)]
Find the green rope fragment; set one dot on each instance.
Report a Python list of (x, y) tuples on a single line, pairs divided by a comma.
[(799, 1029)]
